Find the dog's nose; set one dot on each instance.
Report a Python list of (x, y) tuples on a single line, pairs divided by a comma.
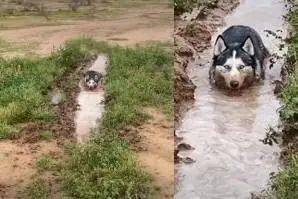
[(234, 84)]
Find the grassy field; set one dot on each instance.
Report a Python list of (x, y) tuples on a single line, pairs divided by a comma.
[(285, 184), (105, 167)]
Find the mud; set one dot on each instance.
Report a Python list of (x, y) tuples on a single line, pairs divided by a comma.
[(154, 151), (18, 164), (192, 37), (90, 103), (137, 26), (64, 127), (226, 129)]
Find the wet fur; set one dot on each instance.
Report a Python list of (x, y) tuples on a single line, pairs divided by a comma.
[(234, 39), (92, 78)]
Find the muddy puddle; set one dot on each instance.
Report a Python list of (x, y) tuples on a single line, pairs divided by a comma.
[(90, 104), (225, 131)]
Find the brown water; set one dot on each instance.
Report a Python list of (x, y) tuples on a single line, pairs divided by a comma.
[(225, 130), (91, 106)]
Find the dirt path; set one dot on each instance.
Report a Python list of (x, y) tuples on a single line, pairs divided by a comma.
[(18, 164), (157, 142), (137, 26)]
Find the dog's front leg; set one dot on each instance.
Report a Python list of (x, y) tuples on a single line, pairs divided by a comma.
[(259, 71)]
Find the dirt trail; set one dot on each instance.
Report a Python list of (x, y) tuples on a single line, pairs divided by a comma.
[(18, 164), (137, 26), (157, 143)]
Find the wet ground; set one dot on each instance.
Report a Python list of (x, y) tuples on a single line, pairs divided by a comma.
[(225, 130), (141, 24), (90, 104), (136, 25)]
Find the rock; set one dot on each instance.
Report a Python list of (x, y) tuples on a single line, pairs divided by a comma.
[(57, 96), (184, 147), (188, 160)]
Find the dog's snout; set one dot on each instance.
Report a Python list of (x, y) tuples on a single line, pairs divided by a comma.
[(234, 84)]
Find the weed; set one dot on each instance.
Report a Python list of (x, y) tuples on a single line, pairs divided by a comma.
[(38, 189), (285, 184), (45, 163), (46, 135)]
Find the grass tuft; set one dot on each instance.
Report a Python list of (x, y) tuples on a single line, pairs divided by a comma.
[(285, 184), (46, 163), (38, 189)]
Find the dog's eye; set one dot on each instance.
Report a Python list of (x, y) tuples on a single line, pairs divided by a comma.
[(227, 67), (241, 67)]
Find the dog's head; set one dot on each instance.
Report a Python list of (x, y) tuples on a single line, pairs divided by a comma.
[(233, 65), (91, 81)]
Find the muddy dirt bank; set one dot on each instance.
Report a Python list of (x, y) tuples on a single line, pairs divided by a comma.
[(192, 35)]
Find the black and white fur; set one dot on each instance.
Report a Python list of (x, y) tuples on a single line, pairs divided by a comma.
[(239, 58), (93, 79)]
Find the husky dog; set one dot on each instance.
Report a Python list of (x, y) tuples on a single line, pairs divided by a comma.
[(92, 79), (239, 58)]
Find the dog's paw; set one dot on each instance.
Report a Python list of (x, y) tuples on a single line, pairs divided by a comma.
[(258, 77)]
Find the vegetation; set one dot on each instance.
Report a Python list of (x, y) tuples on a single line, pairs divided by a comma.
[(182, 6), (46, 162), (38, 189), (285, 184), (24, 84), (105, 167)]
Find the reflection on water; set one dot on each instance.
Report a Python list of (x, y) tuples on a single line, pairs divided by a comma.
[(224, 128), (90, 103)]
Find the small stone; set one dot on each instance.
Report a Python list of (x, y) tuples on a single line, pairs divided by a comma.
[(57, 96), (184, 147), (188, 160)]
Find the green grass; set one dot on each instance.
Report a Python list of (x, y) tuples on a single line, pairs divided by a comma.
[(38, 189), (46, 163), (105, 167), (182, 6), (285, 184), (23, 87), (46, 135)]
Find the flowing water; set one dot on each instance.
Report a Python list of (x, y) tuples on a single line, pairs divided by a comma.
[(231, 161), (91, 106)]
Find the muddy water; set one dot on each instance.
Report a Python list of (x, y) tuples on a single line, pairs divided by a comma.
[(91, 106), (224, 129)]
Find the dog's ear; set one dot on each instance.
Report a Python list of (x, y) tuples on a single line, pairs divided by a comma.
[(86, 77), (219, 46), (248, 46)]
